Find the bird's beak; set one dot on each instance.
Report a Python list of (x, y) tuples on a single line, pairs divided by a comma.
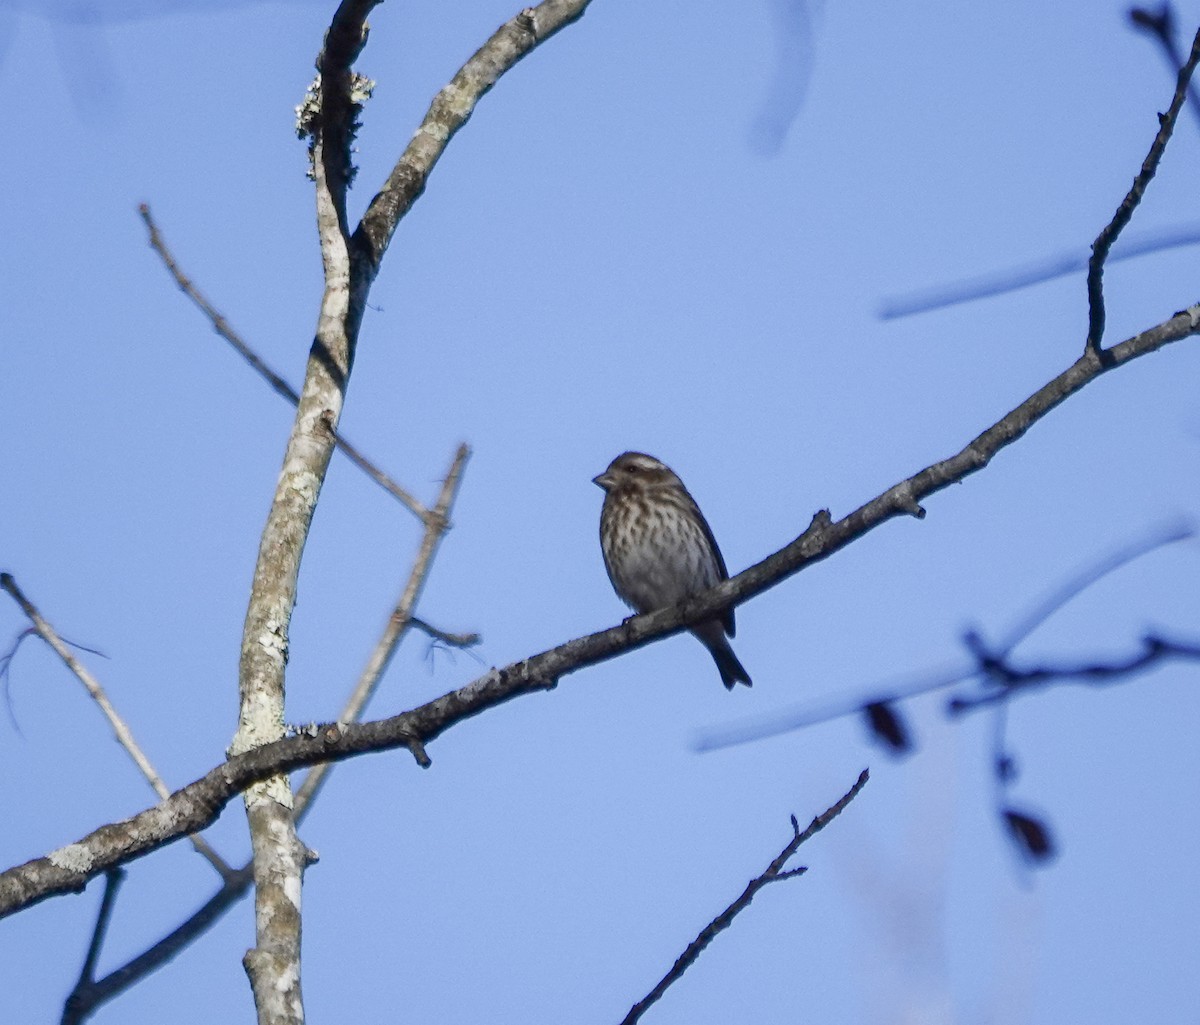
[(603, 481)]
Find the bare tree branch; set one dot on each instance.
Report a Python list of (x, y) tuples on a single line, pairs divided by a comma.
[(273, 964), (87, 975), (350, 268), (86, 1000), (398, 622), (774, 872), (448, 113), (1161, 25), (452, 640), (335, 123), (120, 728), (1106, 238), (264, 370), (198, 804)]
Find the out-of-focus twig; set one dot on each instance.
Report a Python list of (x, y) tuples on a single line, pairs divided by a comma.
[(916, 684), (1161, 24), (1009, 680), (119, 727), (773, 873), (1033, 273)]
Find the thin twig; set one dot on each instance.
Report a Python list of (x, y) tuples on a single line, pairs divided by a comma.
[(119, 727), (87, 975), (86, 1000), (198, 804), (112, 883), (398, 622), (460, 640), (264, 370), (774, 872), (1106, 238), (1161, 25)]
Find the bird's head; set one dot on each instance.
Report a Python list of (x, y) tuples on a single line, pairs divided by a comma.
[(636, 471)]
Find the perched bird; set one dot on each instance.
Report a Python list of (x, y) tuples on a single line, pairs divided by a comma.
[(658, 549)]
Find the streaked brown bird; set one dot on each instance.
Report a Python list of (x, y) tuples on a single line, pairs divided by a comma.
[(659, 549)]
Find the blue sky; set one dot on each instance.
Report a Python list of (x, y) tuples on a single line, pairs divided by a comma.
[(610, 257)]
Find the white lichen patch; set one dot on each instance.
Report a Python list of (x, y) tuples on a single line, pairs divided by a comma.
[(291, 890), (73, 858), (311, 729), (361, 88)]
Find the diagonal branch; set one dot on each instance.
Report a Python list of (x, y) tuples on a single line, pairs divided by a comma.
[(198, 804), (263, 369), (86, 999), (448, 112), (87, 974), (398, 622), (120, 728), (1106, 238), (774, 872)]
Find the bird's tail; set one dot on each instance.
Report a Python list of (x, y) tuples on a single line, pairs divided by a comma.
[(712, 636)]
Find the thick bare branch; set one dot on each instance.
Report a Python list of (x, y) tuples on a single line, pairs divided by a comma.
[(198, 804), (273, 964), (86, 999)]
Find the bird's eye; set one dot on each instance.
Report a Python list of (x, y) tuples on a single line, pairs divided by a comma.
[(633, 468)]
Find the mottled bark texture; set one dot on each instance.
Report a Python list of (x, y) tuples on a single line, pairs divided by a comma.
[(350, 265)]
